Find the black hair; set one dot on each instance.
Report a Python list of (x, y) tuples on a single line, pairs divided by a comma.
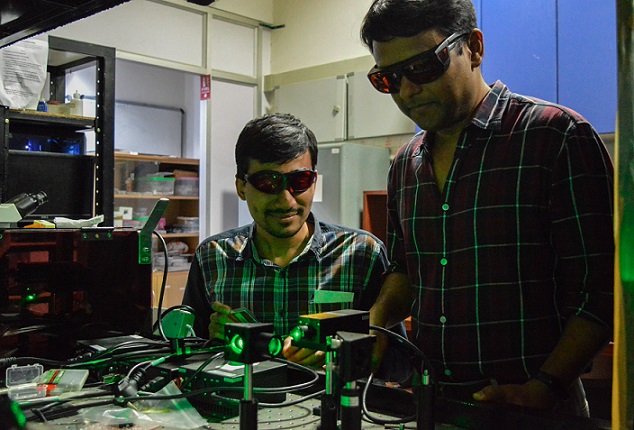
[(387, 19), (274, 138)]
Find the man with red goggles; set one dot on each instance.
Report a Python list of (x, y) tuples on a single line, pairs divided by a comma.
[(286, 263), (500, 218)]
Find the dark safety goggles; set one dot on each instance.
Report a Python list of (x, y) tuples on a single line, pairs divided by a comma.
[(271, 182), (419, 69)]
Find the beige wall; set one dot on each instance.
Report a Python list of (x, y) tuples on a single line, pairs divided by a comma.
[(261, 10), (316, 32)]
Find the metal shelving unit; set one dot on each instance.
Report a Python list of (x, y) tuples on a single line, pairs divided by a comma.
[(35, 170)]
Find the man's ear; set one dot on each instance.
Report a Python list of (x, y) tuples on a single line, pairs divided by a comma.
[(475, 44), (240, 188)]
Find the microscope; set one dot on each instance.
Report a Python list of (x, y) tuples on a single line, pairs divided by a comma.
[(20, 206)]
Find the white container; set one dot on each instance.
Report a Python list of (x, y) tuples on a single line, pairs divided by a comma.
[(76, 105)]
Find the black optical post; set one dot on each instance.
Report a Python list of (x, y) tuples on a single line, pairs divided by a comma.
[(425, 403), (354, 353), (249, 343), (321, 332), (248, 404)]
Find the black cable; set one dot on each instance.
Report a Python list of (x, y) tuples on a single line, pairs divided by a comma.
[(293, 402), (404, 341), (127, 344), (424, 363), (199, 369), (296, 387), (160, 315), (374, 419), (122, 401), (162, 293), (266, 390)]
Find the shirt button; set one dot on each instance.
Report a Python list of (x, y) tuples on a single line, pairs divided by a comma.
[(447, 372), (443, 261), (443, 319), (445, 207)]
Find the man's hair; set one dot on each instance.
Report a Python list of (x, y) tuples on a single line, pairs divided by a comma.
[(274, 138), (387, 19)]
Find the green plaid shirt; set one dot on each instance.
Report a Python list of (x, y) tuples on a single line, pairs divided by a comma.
[(227, 269)]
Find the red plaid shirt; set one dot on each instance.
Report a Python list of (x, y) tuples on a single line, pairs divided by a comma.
[(520, 237)]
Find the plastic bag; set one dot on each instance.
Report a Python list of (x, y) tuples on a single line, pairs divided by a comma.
[(173, 413)]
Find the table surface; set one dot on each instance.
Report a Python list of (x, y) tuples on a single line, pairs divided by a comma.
[(295, 417)]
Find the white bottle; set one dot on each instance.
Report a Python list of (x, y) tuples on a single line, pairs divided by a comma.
[(77, 105)]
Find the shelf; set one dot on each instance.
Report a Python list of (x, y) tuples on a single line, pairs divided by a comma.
[(86, 187), (180, 235), (124, 156), (51, 119), (130, 166), (154, 197)]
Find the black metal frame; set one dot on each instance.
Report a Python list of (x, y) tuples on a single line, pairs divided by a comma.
[(38, 16), (103, 124)]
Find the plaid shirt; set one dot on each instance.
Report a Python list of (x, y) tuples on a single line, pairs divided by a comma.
[(520, 237), (228, 269)]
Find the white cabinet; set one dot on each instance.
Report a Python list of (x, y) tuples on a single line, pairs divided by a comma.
[(346, 170), (320, 104), (343, 108), (371, 113)]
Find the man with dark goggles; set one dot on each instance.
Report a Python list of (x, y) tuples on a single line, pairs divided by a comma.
[(271, 182), (468, 192), (419, 69), (286, 263)]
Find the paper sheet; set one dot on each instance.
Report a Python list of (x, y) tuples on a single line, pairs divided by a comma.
[(23, 73)]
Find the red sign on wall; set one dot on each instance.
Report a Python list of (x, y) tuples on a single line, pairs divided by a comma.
[(205, 87)]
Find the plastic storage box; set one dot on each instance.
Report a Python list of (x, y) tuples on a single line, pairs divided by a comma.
[(186, 224), (157, 185), (186, 186)]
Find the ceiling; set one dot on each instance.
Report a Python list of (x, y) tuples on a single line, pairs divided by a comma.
[(20, 19)]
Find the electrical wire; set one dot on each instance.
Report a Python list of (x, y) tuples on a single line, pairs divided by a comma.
[(200, 369), (409, 345), (41, 411), (159, 311), (373, 418), (424, 363), (292, 402), (164, 281)]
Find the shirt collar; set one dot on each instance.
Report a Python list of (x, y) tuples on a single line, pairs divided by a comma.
[(317, 241), (488, 115)]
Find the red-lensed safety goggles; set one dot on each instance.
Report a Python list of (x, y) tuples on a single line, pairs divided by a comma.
[(271, 182)]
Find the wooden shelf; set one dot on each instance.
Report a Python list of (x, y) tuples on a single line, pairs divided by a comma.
[(47, 118), (180, 235), (125, 156), (131, 165), (154, 197)]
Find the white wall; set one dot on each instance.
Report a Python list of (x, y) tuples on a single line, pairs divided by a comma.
[(172, 31), (261, 10), (316, 32)]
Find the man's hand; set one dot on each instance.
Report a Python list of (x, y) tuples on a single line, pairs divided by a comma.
[(218, 319), (532, 394), (378, 350), (304, 356)]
